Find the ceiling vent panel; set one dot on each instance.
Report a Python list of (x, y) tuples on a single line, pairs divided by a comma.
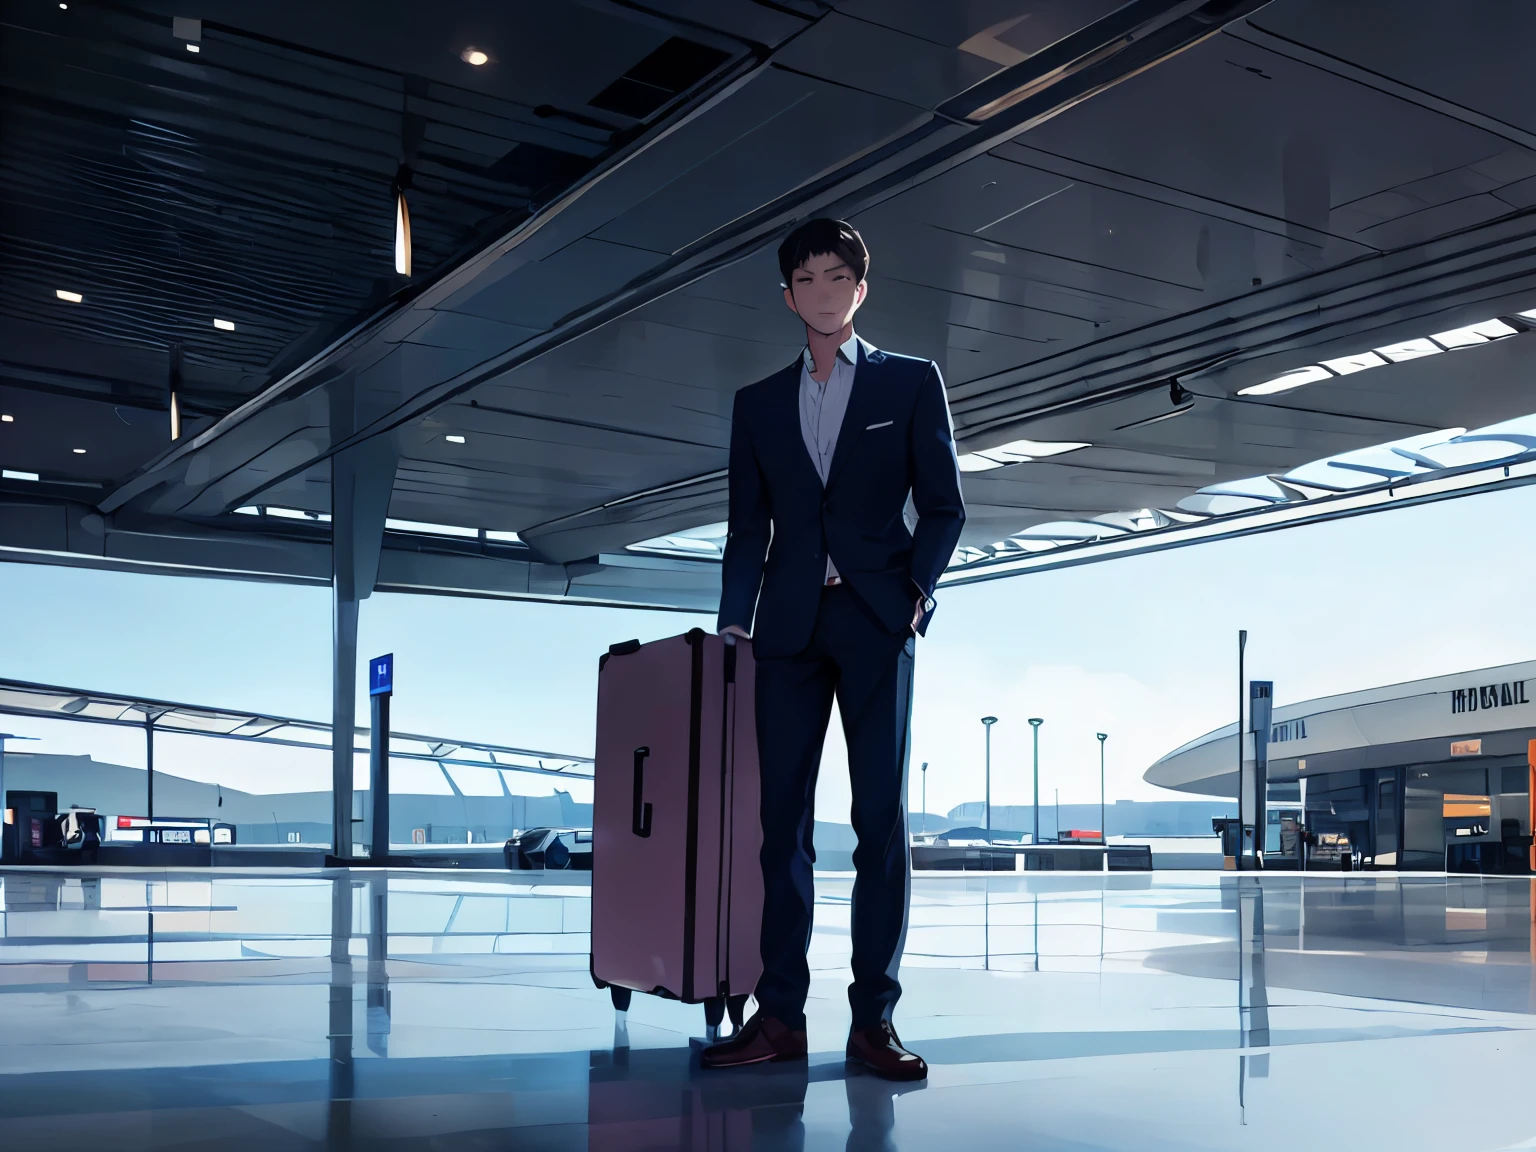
[(672, 69)]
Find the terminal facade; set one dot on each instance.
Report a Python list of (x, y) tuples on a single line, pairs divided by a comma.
[(1429, 775)]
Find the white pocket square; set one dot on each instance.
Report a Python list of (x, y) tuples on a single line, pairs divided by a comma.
[(882, 424)]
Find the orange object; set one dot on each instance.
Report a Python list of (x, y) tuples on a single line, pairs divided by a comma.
[(1460, 806), (1530, 791)]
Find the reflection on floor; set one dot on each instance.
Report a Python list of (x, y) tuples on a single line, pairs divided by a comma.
[(432, 1010)]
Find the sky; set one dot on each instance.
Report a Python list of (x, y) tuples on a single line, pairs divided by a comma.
[(1142, 648)]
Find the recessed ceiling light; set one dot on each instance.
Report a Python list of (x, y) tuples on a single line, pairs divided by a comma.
[(79, 451), (194, 47), (454, 439), (72, 297), (224, 325), (64, 6), (474, 56), (7, 474), (7, 419)]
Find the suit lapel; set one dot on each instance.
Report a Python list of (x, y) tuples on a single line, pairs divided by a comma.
[(862, 395), (785, 407)]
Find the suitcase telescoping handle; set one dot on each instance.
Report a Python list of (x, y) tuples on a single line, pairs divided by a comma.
[(641, 817)]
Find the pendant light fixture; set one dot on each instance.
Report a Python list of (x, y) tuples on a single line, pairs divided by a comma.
[(402, 221), (173, 391)]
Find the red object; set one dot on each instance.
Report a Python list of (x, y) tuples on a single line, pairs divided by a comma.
[(677, 889), (125, 821), (1081, 834)]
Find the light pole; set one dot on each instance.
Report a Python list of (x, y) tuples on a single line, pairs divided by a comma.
[(986, 723), (1103, 827), (925, 796), (1035, 722)]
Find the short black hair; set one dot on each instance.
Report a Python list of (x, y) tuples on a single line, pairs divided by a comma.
[(824, 237)]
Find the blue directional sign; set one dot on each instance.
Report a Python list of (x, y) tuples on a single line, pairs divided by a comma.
[(381, 675)]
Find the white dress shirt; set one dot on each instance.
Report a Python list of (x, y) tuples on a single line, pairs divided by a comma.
[(822, 407)]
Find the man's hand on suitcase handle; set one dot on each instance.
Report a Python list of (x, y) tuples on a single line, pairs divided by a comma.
[(734, 630)]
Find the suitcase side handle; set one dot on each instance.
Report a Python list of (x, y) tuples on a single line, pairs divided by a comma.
[(640, 820)]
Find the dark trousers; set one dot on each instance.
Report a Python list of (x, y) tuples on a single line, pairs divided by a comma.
[(852, 657)]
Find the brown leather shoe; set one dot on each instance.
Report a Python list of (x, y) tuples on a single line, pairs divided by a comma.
[(762, 1039), (880, 1050)]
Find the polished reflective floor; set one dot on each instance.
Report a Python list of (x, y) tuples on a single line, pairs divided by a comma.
[(423, 1010)]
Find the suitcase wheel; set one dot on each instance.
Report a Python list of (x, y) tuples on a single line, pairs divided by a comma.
[(737, 1007), (714, 1011), (620, 997)]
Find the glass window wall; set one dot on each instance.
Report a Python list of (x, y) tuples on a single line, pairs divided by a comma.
[(197, 777)]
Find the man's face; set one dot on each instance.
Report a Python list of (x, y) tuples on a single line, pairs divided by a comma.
[(824, 294)]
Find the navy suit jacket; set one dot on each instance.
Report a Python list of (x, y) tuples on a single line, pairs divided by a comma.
[(895, 439)]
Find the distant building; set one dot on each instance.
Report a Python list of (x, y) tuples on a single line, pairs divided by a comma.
[(1428, 774), (285, 817)]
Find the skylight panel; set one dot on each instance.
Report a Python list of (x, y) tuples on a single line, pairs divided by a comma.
[(1473, 334), (1461, 453), (1359, 362), (975, 462), (1519, 426), (1295, 378), (1410, 350), (1222, 503), (1495, 329), (1069, 531), (1139, 520), (969, 555), (296, 514), (679, 544), (424, 529), (1017, 452), (1257, 487), (1037, 449), (1458, 448), (1361, 467), (706, 542)]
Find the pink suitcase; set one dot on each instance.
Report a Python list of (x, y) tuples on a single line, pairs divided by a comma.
[(677, 889)]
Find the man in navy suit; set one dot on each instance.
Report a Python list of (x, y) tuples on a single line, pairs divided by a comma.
[(824, 456)]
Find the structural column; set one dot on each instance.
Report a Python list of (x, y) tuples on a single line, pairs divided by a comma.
[(339, 1031), (343, 716), (362, 480)]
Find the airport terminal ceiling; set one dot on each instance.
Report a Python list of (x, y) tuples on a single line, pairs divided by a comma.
[(1189, 268)]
